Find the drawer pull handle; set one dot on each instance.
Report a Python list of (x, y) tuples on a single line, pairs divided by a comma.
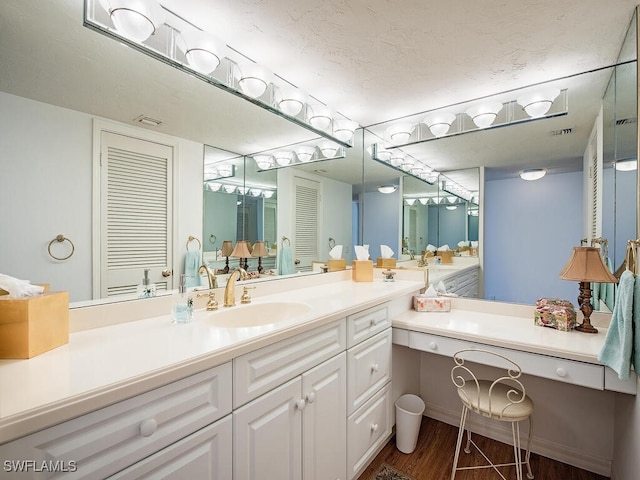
[(148, 427), (300, 404), (374, 368), (561, 372), (311, 397), (433, 345), (374, 427), (374, 321)]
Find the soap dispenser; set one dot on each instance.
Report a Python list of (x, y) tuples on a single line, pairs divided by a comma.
[(182, 310), (146, 289)]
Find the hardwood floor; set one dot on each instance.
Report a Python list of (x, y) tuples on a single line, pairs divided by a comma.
[(433, 458)]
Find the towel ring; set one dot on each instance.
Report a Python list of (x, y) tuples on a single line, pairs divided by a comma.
[(191, 239), (332, 243), (283, 240), (212, 239), (61, 238)]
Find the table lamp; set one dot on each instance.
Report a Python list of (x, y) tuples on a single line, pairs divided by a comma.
[(259, 251), (586, 266), (242, 252), (227, 250)]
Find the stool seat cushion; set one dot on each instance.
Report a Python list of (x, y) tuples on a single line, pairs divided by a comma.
[(506, 402)]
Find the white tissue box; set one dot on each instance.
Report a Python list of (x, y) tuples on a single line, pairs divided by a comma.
[(431, 304), (386, 262)]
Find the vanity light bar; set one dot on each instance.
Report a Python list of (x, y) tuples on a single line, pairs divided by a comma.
[(177, 42), (246, 190), (295, 155), (479, 115), (398, 160)]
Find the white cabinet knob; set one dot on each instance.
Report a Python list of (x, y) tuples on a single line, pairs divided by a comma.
[(311, 397), (433, 345), (561, 372), (374, 427), (300, 404), (374, 322), (148, 427), (374, 368)]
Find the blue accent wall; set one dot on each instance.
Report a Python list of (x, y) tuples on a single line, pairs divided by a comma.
[(381, 217), (520, 217)]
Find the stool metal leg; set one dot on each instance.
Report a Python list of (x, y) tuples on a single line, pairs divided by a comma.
[(528, 454), (515, 429), (463, 419)]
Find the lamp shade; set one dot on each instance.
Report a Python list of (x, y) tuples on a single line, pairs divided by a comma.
[(227, 248), (259, 249), (241, 250), (586, 265)]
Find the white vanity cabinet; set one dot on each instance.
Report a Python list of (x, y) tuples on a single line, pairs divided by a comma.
[(115, 438), (368, 386), (463, 283), (295, 429)]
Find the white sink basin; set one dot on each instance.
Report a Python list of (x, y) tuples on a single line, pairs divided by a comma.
[(257, 314)]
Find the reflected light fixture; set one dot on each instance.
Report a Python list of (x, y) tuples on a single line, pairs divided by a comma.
[(397, 158), (229, 188), (423, 201), (283, 158), (268, 193), (537, 104), (263, 161), (135, 19), (255, 192), (439, 123), (483, 115), (586, 266), (320, 117), (328, 149), (291, 100), (626, 165), (410, 201), (533, 174), (202, 51), (387, 188), (305, 152), (451, 207), (254, 79), (399, 133), (225, 170), (243, 190), (344, 129), (214, 186)]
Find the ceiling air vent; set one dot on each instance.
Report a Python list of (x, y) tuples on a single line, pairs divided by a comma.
[(562, 131), (147, 120), (626, 121)]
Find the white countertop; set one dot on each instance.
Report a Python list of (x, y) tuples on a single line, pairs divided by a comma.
[(505, 330), (104, 365)]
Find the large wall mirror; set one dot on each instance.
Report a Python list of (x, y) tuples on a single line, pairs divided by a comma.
[(526, 230)]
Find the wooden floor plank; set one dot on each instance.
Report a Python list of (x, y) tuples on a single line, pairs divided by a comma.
[(433, 458)]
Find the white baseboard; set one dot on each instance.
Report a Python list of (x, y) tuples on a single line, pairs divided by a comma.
[(502, 432)]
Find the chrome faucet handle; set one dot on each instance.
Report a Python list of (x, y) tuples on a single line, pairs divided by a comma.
[(246, 298)]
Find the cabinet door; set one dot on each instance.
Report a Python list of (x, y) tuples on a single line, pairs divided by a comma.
[(205, 455), (267, 441), (324, 420)]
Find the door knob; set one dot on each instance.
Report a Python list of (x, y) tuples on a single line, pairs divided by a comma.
[(166, 272), (297, 261)]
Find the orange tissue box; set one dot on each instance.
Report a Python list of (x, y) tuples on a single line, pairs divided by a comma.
[(431, 304), (386, 262), (362, 271)]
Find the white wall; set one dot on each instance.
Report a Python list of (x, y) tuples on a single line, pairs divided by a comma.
[(626, 461), (46, 189)]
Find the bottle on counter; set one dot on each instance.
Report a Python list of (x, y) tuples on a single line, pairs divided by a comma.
[(146, 289), (182, 309)]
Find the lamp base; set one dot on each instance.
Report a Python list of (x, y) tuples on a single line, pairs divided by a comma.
[(586, 328), (584, 300)]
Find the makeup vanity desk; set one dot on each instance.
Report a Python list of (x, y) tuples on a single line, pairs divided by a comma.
[(508, 329)]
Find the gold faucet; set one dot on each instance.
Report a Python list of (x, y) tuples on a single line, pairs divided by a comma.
[(212, 303), (230, 289), (211, 275)]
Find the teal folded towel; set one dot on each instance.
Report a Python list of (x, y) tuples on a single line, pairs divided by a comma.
[(191, 266), (617, 349), (636, 327), (285, 266)]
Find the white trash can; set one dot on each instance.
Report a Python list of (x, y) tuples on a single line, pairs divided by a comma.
[(409, 410)]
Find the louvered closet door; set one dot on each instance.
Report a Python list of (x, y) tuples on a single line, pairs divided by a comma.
[(136, 220), (306, 218)]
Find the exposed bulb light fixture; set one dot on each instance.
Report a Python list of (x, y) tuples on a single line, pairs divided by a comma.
[(268, 193), (202, 51), (626, 165), (263, 161), (254, 79), (229, 188), (387, 188), (344, 129), (319, 117), (283, 158), (328, 149), (483, 115), (399, 133), (225, 170), (291, 100), (533, 174), (410, 201), (214, 186), (439, 123), (397, 158), (135, 19), (537, 104), (305, 153)]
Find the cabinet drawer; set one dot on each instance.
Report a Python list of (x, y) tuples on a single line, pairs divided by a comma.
[(562, 370), (264, 369), (205, 454), (368, 368), (366, 324), (368, 430), (108, 440)]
